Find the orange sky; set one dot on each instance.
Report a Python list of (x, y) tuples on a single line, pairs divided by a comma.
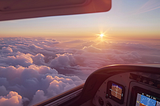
[(131, 19)]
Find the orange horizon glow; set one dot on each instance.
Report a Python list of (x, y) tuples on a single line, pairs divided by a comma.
[(141, 22)]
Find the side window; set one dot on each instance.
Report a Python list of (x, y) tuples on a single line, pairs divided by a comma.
[(43, 57)]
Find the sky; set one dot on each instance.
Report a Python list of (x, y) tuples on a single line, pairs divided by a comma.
[(127, 19), (39, 60)]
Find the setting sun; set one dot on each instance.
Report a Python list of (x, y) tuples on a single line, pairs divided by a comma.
[(101, 35)]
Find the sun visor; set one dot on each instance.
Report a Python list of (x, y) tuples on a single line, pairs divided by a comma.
[(21, 9)]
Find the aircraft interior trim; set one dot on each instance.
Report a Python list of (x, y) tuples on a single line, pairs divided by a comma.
[(116, 85)]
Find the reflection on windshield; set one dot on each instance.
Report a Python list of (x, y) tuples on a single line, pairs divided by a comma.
[(35, 68)]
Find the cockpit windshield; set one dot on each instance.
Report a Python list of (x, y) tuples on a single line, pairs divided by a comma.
[(43, 57)]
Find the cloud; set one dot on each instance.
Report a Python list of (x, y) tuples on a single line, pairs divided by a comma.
[(12, 99), (61, 84), (91, 49), (63, 60), (3, 90), (7, 50), (28, 80), (38, 59), (35, 69), (20, 59), (38, 97)]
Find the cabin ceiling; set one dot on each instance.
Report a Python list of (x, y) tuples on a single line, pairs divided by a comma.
[(21, 9)]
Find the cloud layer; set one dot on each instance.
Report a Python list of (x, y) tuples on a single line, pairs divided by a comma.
[(35, 69)]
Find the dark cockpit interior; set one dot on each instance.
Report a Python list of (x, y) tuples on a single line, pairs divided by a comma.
[(117, 85)]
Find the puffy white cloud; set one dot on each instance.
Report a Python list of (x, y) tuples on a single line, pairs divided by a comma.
[(7, 50), (55, 87), (20, 59), (12, 99), (43, 69), (62, 83), (38, 68), (32, 78), (10, 72), (38, 97), (38, 59), (63, 60)]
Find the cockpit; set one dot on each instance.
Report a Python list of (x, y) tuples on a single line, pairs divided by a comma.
[(73, 53), (117, 85)]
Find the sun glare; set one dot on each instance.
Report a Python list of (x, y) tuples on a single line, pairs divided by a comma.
[(101, 35)]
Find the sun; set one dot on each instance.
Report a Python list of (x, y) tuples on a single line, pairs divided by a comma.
[(101, 35)]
